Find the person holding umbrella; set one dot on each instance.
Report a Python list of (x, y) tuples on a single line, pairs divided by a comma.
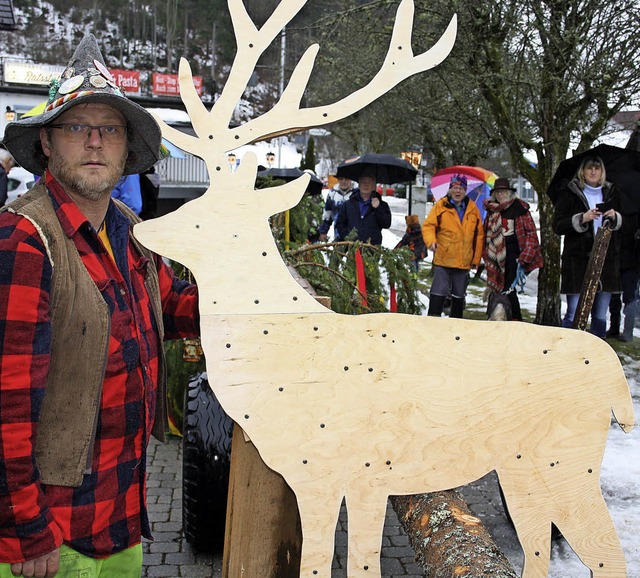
[(365, 211), (453, 231), (582, 206)]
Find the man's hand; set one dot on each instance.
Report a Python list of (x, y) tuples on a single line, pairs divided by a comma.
[(44, 567), (433, 247), (375, 202)]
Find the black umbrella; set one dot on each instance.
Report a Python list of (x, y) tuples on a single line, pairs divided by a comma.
[(630, 184), (315, 184), (634, 140), (622, 166), (388, 169)]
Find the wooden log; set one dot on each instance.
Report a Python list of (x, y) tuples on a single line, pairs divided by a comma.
[(591, 282), (449, 541)]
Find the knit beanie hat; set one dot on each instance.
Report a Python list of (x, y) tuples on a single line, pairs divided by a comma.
[(459, 180)]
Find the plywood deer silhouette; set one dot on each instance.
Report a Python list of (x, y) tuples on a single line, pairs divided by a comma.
[(350, 406)]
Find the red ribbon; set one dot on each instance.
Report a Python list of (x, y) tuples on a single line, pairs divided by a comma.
[(361, 282)]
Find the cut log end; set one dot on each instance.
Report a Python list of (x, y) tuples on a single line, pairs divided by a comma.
[(448, 539)]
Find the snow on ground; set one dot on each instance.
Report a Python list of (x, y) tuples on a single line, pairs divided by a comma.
[(620, 479)]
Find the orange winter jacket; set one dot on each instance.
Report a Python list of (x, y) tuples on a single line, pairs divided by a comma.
[(459, 244)]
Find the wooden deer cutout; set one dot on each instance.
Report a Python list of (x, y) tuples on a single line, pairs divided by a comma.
[(361, 407)]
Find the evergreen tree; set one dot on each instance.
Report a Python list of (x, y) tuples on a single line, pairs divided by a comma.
[(309, 160)]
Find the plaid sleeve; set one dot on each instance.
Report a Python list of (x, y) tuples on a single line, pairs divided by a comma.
[(179, 304), (530, 253), (26, 526)]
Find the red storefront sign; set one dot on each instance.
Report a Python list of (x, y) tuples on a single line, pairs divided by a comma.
[(127, 80), (167, 84)]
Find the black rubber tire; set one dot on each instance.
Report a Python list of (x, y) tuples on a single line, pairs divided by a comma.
[(206, 458)]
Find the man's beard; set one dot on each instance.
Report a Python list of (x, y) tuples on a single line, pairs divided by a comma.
[(89, 186)]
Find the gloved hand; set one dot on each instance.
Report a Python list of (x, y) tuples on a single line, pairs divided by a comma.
[(521, 277)]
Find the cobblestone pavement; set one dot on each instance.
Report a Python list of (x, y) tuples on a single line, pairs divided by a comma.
[(171, 556)]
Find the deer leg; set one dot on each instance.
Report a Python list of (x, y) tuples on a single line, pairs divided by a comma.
[(534, 531), (590, 532), (365, 526), (318, 516)]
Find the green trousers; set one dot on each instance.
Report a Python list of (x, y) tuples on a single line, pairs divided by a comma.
[(125, 564)]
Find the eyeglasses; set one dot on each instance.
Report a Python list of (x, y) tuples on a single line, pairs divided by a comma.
[(78, 133)]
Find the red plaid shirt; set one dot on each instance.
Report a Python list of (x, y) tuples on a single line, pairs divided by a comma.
[(107, 513)]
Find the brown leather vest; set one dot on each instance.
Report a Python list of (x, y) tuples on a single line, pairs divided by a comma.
[(80, 327)]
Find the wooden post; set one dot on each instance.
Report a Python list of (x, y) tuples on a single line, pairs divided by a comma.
[(263, 535)]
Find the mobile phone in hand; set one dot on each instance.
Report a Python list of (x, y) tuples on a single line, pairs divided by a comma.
[(604, 207)]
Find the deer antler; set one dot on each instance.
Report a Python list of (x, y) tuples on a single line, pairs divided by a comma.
[(399, 64), (286, 116)]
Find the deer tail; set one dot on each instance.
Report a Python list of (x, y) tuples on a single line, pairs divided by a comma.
[(622, 403)]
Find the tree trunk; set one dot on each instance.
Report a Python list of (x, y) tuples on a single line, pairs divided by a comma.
[(548, 308), (448, 540)]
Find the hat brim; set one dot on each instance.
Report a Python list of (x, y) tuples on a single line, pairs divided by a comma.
[(22, 137)]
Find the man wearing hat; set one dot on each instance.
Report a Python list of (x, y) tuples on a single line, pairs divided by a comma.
[(85, 309), (453, 231), (365, 211)]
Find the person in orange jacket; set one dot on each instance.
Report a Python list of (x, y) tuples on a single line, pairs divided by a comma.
[(453, 231)]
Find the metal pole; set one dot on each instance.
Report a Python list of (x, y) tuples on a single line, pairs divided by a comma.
[(283, 50)]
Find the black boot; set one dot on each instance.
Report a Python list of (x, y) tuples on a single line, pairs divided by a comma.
[(436, 305), (457, 307), (614, 325)]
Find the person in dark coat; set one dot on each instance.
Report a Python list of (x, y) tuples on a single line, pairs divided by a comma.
[(365, 211), (149, 189), (629, 277), (578, 216)]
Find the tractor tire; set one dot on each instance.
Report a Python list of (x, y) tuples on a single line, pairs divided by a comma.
[(206, 459)]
